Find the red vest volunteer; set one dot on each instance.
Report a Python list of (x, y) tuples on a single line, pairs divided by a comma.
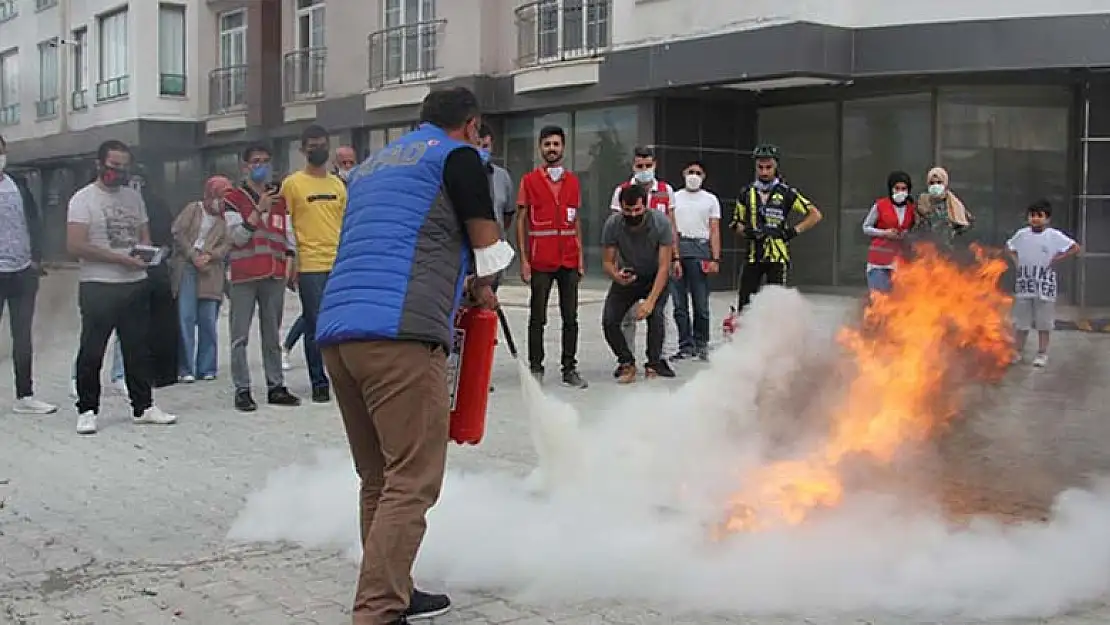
[(660, 196), (269, 249), (883, 252), (552, 226)]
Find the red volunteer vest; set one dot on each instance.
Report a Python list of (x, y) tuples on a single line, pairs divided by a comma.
[(552, 234), (885, 251), (266, 254), (659, 197)]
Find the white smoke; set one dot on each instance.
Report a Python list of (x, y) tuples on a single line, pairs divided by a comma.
[(620, 508)]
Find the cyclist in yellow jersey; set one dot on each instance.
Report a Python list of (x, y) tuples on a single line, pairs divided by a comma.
[(762, 217)]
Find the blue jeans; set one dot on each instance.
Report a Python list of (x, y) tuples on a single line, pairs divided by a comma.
[(117, 362), (879, 280), (310, 286), (296, 331), (692, 286), (198, 319)]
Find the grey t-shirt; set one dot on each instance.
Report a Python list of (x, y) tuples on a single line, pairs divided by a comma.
[(638, 247), (15, 242), (501, 188), (115, 220)]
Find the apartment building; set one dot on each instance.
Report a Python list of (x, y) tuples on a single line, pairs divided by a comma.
[(1009, 95)]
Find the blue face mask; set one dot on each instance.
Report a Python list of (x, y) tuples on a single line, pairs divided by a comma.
[(260, 173), (485, 156)]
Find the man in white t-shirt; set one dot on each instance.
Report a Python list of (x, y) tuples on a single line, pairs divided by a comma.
[(697, 215), (1036, 250)]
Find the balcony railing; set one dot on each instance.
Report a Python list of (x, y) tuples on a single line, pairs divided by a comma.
[(171, 84), (227, 89), (550, 31), (405, 53), (79, 100), (9, 115), (113, 88), (46, 108), (304, 74)]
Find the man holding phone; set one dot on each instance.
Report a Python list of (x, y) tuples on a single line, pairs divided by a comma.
[(637, 246)]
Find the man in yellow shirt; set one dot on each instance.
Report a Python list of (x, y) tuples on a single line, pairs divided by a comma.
[(315, 200)]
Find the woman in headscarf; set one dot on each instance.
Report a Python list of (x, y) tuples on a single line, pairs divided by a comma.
[(887, 223), (939, 211)]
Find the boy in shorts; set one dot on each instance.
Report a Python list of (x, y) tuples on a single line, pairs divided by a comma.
[(1037, 249)]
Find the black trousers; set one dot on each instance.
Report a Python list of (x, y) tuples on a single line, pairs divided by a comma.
[(618, 301), (752, 276), (18, 290), (164, 329), (541, 283), (124, 308)]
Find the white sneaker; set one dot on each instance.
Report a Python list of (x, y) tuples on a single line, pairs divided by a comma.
[(86, 422), (73, 389), (1041, 360), (188, 379), (154, 416), (120, 387), (285, 364), (30, 405)]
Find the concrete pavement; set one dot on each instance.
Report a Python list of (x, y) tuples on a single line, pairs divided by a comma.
[(129, 526)]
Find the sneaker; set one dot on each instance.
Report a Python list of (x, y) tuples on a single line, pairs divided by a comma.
[(30, 405), (321, 395), (572, 379), (1041, 360), (208, 378), (280, 396), (703, 353), (618, 371), (244, 402), (154, 416), (659, 369), (627, 374), (86, 422), (285, 364), (425, 605), (684, 353), (187, 379)]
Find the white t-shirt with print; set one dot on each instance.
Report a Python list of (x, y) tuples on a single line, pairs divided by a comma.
[(692, 212), (1036, 278), (115, 220)]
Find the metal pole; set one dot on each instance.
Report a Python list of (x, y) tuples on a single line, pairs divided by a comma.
[(1084, 189), (64, 59)]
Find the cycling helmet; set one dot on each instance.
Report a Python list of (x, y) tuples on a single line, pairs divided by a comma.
[(766, 150)]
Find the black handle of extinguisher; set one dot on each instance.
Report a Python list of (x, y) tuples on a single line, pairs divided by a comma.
[(508, 333)]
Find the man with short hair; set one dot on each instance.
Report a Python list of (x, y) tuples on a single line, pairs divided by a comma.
[(637, 257), (316, 201), (261, 258), (697, 216), (106, 221), (500, 182), (345, 161), (20, 258)]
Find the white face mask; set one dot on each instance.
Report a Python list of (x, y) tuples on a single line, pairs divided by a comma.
[(555, 172), (899, 197), (936, 190), (644, 176), (693, 182), (3, 161)]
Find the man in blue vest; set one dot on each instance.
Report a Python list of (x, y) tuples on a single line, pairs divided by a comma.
[(418, 211)]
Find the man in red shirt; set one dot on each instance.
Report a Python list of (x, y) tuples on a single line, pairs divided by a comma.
[(549, 234)]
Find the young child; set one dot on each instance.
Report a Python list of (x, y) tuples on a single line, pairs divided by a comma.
[(1036, 250)]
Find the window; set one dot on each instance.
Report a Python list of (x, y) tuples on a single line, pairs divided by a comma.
[(80, 68), (571, 28), (410, 43), (113, 56), (229, 80), (47, 105), (304, 67), (9, 88), (171, 49), (42, 5), (8, 10), (310, 24)]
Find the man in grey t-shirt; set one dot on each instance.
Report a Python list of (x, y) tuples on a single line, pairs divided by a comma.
[(637, 246), (106, 220)]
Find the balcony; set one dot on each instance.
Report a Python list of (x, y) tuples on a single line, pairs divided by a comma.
[(227, 89), (552, 31), (46, 108), (9, 115), (9, 9), (113, 88), (303, 74), (79, 100), (406, 53)]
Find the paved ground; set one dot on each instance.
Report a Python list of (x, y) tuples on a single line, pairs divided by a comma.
[(129, 526)]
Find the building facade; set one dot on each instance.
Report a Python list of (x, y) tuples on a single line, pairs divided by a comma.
[(1009, 96)]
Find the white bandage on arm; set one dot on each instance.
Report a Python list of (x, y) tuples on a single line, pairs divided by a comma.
[(490, 260)]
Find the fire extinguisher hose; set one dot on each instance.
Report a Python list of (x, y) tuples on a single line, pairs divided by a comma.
[(508, 333)]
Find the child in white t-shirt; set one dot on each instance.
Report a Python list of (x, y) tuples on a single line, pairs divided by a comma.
[(1036, 250)]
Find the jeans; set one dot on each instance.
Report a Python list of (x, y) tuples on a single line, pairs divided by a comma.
[(310, 286), (268, 295), (693, 285), (18, 290), (125, 309), (541, 283), (878, 279), (618, 302), (296, 331), (198, 319)]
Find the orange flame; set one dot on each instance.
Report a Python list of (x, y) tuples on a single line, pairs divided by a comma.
[(907, 354)]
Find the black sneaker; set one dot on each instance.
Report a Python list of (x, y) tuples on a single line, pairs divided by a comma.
[(280, 396), (244, 402), (658, 370), (619, 371), (321, 395), (684, 353), (703, 353), (573, 379), (425, 605)]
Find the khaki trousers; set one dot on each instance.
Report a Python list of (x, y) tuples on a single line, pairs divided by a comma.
[(394, 401)]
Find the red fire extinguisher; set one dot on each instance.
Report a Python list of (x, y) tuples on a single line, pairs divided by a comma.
[(469, 368)]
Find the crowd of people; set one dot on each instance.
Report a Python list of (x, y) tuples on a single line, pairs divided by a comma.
[(382, 254)]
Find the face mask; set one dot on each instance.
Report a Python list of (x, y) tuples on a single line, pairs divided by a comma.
[(555, 172), (936, 190), (634, 220), (899, 197), (3, 161), (317, 158), (114, 177), (693, 182), (645, 176), (260, 173)]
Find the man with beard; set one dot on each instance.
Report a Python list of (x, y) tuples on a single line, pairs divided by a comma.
[(345, 161), (761, 218), (549, 235)]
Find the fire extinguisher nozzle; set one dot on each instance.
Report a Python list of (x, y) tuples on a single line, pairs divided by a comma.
[(508, 333)]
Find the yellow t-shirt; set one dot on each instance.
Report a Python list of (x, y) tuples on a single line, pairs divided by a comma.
[(315, 206)]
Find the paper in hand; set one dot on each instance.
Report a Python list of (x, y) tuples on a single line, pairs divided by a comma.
[(151, 255)]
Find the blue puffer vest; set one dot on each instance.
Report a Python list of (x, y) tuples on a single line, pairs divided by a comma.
[(403, 254)]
